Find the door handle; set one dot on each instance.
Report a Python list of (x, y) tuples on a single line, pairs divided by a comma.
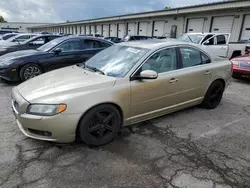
[(223, 48), (207, 72), (173, 80)]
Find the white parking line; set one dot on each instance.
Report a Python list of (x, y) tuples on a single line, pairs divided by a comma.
[(217, 130)]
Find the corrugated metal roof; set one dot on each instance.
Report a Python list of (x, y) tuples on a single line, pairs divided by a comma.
[(174, 11)]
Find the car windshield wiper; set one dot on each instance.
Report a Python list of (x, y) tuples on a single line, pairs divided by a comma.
[(95, 69)]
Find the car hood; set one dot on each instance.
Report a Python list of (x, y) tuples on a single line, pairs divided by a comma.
[(19, 54), (58, 85), (244, 58)]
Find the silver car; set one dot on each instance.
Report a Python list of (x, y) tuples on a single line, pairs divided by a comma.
[(125, 84)]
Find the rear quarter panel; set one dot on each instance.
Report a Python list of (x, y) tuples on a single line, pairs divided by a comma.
[(221, 69)]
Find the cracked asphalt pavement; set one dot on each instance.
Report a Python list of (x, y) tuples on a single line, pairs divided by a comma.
[(193, 148)]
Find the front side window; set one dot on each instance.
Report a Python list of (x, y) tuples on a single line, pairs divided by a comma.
[(193, 57), (162, 61), (117, 60), (71, 45), (221, 39)]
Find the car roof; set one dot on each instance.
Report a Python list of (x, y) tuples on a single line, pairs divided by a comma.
[(207, 33), (85, 37), (154, 43)]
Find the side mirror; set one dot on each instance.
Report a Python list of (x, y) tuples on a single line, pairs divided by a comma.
[(206, 43), (31, 43), (57, 50), (148, 74)]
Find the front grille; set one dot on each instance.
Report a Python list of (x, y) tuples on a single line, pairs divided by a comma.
[(16, 106), (245, 65)]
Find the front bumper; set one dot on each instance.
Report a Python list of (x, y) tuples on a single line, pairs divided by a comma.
[(60, 128), (237, 71), (9, 74)]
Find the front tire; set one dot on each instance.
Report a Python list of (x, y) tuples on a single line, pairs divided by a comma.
[(100, 125), (214, 95), (29, 71)]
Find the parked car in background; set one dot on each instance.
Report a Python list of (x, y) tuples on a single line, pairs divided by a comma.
[(218, 43), (92, 35), (125, 84), (7, 36), (5, 31), (241, 66), (66, 34), (113, 39), (32, 43), (18, 38), (64, 51), (136, 37), (44, 32)]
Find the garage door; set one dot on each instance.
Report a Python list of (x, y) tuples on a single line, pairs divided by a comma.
[(105, 30), (245, 35), (92, 29), (87, 29), (161, 28), (99, 29), (143, 28), (222, 24), (83, 30), (195, 25), (131, 29), (113, 30), (121, 30)]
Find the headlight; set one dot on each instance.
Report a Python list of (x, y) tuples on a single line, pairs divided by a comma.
[(46, 109), (235, 62)]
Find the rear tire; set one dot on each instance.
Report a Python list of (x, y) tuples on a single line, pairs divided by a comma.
[(214, 95), (100, 125), (29, 71)]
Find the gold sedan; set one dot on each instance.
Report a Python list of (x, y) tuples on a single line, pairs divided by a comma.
[(125, 84)]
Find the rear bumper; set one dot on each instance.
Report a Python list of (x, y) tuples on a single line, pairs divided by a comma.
[(9, 74)]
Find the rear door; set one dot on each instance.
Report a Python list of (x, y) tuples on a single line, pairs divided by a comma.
[(92, 47), (218, 45), (194, 76)]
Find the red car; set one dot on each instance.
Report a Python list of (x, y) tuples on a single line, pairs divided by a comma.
[(241, 66)]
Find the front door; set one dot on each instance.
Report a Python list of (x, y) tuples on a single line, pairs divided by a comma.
[(149, 97), (71, 51), (218, 45)]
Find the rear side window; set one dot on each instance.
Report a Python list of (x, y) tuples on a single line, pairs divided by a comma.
[(193, 57), (92, 44), (106, 44), (221, 39)]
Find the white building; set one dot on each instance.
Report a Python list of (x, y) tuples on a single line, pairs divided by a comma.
[(226, 16), (19, 26)]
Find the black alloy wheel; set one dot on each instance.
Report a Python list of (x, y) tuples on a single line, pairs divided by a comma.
[(100, 125), (214, 95)]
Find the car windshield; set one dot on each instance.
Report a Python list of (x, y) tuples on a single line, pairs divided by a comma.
[(116, 60), (48, 46), (191, 38)]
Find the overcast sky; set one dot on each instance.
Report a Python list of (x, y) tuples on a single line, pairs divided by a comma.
[(61, 10)]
